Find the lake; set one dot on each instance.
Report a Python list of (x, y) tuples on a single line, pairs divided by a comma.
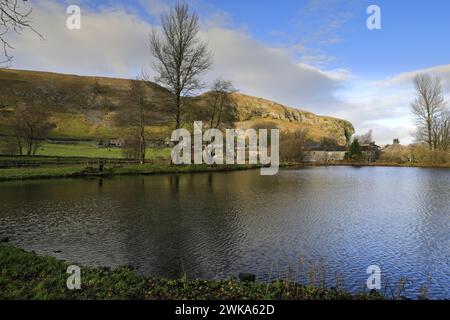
[(340, 220)]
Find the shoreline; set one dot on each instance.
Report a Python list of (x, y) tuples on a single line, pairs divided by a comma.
[(67, 172), (81, 171), (363, 164), (28, 276)]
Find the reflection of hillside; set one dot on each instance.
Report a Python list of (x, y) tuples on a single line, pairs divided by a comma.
[(220, 224)]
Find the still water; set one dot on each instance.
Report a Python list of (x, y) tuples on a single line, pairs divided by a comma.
[(217, 225)]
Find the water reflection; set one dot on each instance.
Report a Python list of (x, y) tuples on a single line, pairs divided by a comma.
[(214, 225)]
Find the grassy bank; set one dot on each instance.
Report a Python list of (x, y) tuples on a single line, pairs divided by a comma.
[(24, 275), (87, 150), (81, 170), (74, 171)]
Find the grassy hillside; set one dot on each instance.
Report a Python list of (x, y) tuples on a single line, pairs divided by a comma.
[(83, 107)]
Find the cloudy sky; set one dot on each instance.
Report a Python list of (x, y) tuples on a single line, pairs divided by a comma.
[(316, 55)]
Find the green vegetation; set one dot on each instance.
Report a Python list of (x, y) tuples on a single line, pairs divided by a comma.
[(86, 149), (71, 108), (40, 172), (80, 170), (25, 275), (90, 150), (354, 151), (77, 126), (415, 155)]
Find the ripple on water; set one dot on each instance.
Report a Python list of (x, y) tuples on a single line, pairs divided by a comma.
[(220, 224)]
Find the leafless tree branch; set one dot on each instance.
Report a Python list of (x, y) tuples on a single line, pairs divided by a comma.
[(13, 18), (180, 56), (428, 107)]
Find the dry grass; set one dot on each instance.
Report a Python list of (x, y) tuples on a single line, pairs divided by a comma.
[(75, 120)]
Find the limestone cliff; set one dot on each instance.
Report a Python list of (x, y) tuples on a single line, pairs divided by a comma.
[(82, 107)]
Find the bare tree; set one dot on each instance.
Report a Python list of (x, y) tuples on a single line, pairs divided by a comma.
[(138, 112), (13, 18), (180, 56), (221, 108), (442, 131), (366, 138), (427, 107), (292, 145), (30, 125)]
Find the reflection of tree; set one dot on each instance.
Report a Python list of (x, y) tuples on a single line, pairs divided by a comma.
[(178, 220), (100, 185)]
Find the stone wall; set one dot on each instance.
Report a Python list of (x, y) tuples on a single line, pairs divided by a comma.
[(324, 156)]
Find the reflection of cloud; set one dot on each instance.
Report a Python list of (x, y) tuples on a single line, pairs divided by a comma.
[(114, 42)]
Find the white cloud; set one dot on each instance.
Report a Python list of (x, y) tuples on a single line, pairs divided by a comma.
[(111, 42), (443, 72), (114, 42), (384, 105), (268, 72)]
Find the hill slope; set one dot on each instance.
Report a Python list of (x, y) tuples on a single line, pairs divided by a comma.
[(82, 107)]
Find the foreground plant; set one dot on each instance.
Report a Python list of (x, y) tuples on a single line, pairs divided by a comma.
[(25, 275)]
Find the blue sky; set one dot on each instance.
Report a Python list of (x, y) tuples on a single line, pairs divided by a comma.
[(316, 55), (412, 37), (413, 34)]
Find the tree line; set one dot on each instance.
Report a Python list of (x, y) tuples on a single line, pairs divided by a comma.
[(180, 60)]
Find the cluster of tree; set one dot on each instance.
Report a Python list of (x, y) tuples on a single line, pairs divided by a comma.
[(366, 138), (217, 108), (417, 153), (421, 154), (432, 116), (221, 109), (30, 123), (327, 143), (30, 126), (354, 150), (292, 145), (180, 59), (355, 146), (135, 115)]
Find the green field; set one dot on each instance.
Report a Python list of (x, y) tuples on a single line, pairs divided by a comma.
[(91, 170), (90, 150), (40, 172)]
